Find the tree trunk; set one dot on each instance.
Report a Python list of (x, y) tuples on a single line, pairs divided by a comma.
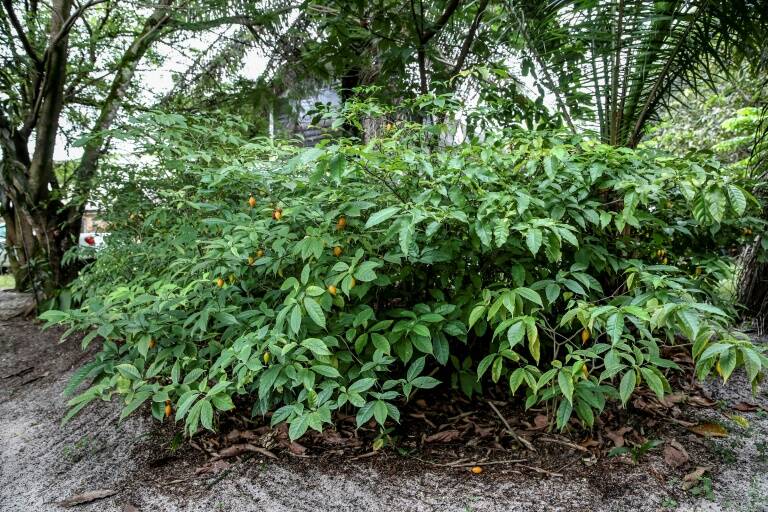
[(753, 286)]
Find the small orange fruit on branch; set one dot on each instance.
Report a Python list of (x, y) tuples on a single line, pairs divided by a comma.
[(342, 223), (337, 251), (152, 344), (277, 214), (332, 290), (251, 201), (168, 408), (584, 335), (220, 282)]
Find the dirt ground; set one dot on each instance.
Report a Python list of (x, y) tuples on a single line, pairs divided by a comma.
[(43, 463)]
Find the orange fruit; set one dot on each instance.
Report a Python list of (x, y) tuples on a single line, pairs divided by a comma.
[(342, 223), (584, 335), (352, 283), (152, 344), (277, 214), (337, 251), (332, 290), (220, 282), (477, 470), (251, 201), (168, 408)]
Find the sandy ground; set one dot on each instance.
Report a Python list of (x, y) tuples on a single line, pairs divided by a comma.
[(42, 463)]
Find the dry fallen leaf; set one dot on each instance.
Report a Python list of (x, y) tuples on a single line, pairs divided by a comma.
[(672, 399), (617, 436), (297, 448), (540, 421), (446, 436), (232, 451), (700, 401), (693, 477), (212, 467), (745, 407), (709, 430), (87, 497), (674, 454)]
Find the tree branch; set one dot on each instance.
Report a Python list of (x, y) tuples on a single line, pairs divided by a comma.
[(22, 36), (467, 45)]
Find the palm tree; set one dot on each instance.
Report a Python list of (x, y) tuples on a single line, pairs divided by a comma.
[(613, 65)]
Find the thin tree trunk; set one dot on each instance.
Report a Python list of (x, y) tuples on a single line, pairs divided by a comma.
[(753, 286)]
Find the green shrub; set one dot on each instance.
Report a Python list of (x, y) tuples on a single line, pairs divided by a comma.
[(553, 265)]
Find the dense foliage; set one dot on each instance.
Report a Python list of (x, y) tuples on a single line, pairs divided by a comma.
[(351, 276)]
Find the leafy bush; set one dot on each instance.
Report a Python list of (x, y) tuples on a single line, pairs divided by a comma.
[(359, 274)]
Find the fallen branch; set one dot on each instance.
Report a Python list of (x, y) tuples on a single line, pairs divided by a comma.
[(509, 429)]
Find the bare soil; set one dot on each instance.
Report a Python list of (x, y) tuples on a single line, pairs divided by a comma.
[(43, 463)]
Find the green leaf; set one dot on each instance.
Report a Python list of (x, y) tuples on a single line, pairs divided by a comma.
[(534, 345), (295, 321), (364, 273), (129, 371), (380, 342), (206, 415), (138, 399), (516, 379), (425, 382), (475, 315), (317, 346), (533, 240), (627, 385), (361, 385), (565, 381), (314, 291), (364, 414), (515, 333), (326, 371), (421, 330), (564, 413), (314, 311), (381, 216), (298, 426), (530, 295), (737, 199), (615, 326), (380, 412), (552, 292), (484, 364), (653, 381)]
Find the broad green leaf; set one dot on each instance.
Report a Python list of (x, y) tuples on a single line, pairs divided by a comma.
[(381, 216), (627, 385), (317, 346), (314, 311)]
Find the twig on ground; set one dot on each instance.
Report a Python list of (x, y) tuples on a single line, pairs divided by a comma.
[(539, 470), (489, 463), (510, 431), (562, 442), (364, 456)]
